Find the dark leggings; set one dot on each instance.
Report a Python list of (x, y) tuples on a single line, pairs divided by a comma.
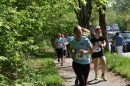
[(59, 52), (68, 50), (64, 52), (82, 72)]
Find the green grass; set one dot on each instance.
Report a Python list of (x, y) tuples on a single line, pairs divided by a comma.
[(119, 64), (40, 72), (45, 73)]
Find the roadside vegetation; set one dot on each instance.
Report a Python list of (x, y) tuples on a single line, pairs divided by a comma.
[(119, 65), (31, 71), (26, 27)]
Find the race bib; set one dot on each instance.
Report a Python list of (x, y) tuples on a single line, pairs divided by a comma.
[(60, 44), (97, 49), (80, 56)]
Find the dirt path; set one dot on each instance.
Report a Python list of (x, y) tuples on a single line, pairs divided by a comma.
[(68, 76)]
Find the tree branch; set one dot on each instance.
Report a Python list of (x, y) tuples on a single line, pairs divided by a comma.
[(76, 3)]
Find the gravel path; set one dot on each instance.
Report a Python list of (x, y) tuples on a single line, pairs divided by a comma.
[(66, 72)]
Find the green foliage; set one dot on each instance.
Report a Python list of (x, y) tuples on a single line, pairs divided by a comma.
[(34, 72), (12, 68), (110, 16), (121, 5), (26, 27), (120, 63), (119, 13), (44, 71), (53, 81)]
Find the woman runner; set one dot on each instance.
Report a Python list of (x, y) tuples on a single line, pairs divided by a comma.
[(99, 41), (81, 61)]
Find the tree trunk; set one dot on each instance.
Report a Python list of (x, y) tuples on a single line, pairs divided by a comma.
[(102, 23), (84, 14)]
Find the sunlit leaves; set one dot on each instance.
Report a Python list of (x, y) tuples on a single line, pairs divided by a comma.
[(122, 5), (83, 2), (26, 27), (103, 2), (122, 11)]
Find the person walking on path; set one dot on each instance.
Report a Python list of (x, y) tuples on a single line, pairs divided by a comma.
[(68, 38), (119, 43), (99, 41), (65, 42), (59, 47), (81, 60)]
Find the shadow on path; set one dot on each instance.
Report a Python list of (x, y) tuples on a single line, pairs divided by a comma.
[(128, 85), (92, 82)]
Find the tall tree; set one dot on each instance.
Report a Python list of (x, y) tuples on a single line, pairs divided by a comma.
[(102, 21), (83, 12)]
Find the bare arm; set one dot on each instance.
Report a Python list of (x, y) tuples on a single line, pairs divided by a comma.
[(103, 43), (90, 51)]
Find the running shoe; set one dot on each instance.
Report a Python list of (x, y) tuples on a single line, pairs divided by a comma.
[(104, 78), (76, 81), (96, 77), (61, 64)]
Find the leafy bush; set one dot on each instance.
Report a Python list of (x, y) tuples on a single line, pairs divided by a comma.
[(12, 68), (119, 64), (53, 80), (26, 27)]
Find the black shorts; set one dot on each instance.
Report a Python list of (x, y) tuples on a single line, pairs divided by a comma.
[(67, 46), (97, 54), (64, 52)]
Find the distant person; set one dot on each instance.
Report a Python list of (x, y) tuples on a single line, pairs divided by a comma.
[(68, 38), (99, 41), (79, 49), (65, 42), (113, 47), (119, 43), (59, 48)]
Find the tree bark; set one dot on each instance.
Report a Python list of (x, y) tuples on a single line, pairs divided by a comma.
[(84, 14), (102, 23)]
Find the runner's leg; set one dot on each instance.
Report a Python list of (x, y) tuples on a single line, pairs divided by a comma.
[(103, 62), (61, 56), (58, 54), (95, 62), (67, 46), (86, 73), (79, 72)]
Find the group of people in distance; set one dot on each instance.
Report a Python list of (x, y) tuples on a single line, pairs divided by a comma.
[(80, 47), (60, 43), (117, 44)]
